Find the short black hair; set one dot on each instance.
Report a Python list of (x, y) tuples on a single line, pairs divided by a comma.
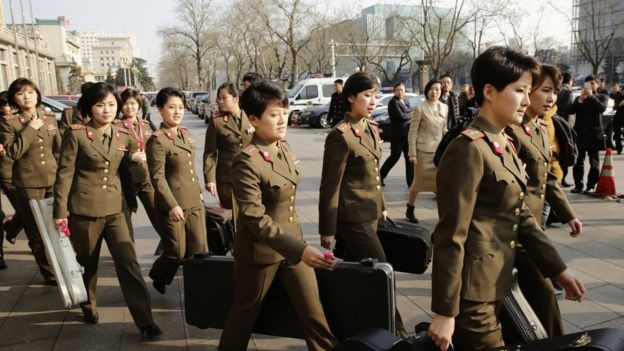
[(590, 78), (131, 93), (566, 77), (94, 94), (252, 77), (165, 93), (339, 81), (255, 99), (397, 85), (357, 83), (230, 87), (446, 75), (430, 85), (549, 71), (4, 98), (85, 86), (500, 66), (17, 86)]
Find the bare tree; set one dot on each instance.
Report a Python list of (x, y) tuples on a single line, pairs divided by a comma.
[(484, 19), (595, 30), (194, 17)]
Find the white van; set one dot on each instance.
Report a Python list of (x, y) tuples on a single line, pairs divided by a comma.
[(309, 92)]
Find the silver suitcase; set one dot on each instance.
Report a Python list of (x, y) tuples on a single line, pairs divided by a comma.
[(61, 254)]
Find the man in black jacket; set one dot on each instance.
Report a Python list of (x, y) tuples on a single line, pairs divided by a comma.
[(336, 105), (590, 135), (400, 114), (565, 98), (450, 98), (618, 120)]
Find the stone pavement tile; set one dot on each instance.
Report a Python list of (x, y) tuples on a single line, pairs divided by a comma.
[(585, 314), (589, 281), (202, 339), (36, 345), (265, 342), (608, 296), (106, 335), (617, 323), (601, 269), (570, 328)]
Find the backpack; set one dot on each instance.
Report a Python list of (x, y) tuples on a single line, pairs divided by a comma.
[(451, 134), (566, 138)]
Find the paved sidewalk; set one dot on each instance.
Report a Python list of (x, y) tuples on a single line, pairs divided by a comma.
[(33, 318)]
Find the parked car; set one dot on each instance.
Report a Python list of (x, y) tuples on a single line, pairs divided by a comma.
[(315, 116), (309, 92), (54, 106), (70, 103), (197, 102), (382, 117), (204, 107), (64, 97), (190, 101)]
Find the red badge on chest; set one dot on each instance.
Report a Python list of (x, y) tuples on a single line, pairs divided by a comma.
[(527, 130), (267, 157), (497, 148)]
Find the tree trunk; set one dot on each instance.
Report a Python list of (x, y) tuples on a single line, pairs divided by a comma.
[(293, 69)]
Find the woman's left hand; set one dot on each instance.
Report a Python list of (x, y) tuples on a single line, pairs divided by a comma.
[(384, 215), (413, 159)]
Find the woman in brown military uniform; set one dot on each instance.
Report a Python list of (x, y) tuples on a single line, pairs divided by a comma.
[(227, 133), (269, 244), (140, 130), (6, 167), (483, 213), (533, 146), (351, 198), (170, 159), (88, 189), (32, 139)]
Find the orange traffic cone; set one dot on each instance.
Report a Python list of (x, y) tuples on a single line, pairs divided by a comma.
[(606, 182)]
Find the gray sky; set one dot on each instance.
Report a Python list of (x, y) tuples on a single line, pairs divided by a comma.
[(144, 17)]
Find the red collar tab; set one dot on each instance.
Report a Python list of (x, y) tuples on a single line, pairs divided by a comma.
[(126, 124), (169, 135), (357, 132), (22, 120), (497, 148), (527, 130), (267, 156), (90, 135)]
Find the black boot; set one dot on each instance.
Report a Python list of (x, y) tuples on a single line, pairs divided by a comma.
[(409, 214), (151, 330)]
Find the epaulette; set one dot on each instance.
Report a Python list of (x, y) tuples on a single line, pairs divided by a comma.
[(145, 122), (543, 123), (510, 142), (218, 115), (9, 117), (78, 126), (342, 126), (50, 114), (184, 130), (473, 134), (373, 123), (250, 150), (158, 133), (122, 131)]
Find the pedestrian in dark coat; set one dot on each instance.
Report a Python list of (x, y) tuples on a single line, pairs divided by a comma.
[(400, 113)]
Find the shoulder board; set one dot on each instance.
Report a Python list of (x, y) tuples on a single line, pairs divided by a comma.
[(146, 122), (77, 126), (342, 126), (250, 150), (117, 121), (285, 145), (158, 133), (473, 134), (218, 115), (49, 114), (373, 123), (122, 131), (9, 117), (543, 123), (184, 130)]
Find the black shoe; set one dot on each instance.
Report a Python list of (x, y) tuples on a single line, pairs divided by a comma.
[(3, 264), (565, 185), (160, 286), (409, 214), (150, 330), (91, 318), (588, 191), (576, 190)]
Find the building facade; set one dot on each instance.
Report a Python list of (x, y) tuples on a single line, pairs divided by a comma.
[(104, 53), (65, 47)]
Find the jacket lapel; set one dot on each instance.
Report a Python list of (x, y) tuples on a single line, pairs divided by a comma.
[(231, 125), (97, 144), (278, 166)]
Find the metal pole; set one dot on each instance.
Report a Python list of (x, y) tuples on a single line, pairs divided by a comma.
[(35, 37), (26, 45), (333, 58), (17, 53)]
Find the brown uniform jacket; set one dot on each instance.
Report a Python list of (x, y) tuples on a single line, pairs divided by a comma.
[(93, 181), (533, 146), (139, 171), (265, 187), (224, 139), (350, 184), (35, 151), (482, 215), (6, 168), (172, 169)]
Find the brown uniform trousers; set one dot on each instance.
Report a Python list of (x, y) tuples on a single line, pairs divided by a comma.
[(34, 171), (140, 130), (483, 216), (93, 180), (533, 146), (170, 156), (225, 137), (351, 199), (268, 245), (6, 184)]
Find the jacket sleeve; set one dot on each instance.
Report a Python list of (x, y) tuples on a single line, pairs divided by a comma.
[(210, 153), (335, 159), (65, 174), (557, 199), (16, 143), (537, 244), (127, 185), (456, 202), (597, 103), (252, 213), (412, 135), (156, 162), (57, 142), (332, 106), (575, 107)]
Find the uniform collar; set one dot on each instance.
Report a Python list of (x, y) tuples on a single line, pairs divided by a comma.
[(263, 145), (101, 131), (356, 123)]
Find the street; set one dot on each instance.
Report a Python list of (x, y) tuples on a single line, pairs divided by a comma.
[(33, 318)]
